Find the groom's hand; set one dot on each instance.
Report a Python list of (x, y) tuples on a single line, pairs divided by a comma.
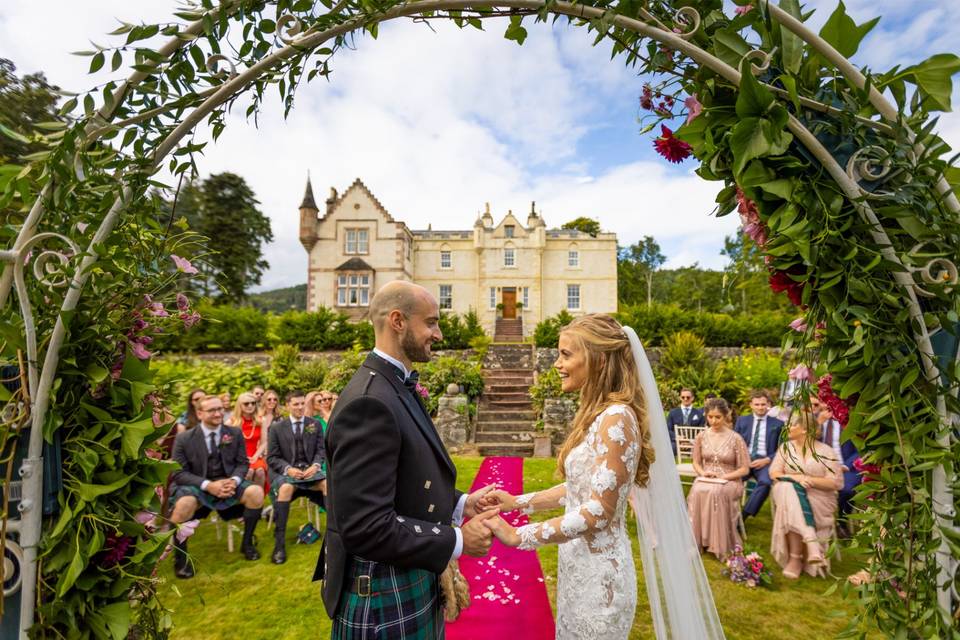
[(477, 538), (475, 501), (498, 498)]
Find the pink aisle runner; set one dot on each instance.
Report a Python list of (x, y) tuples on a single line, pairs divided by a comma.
[(508, 594)]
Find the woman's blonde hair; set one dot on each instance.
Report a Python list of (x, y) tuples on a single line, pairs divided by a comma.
[(236, 418), (611, 378)]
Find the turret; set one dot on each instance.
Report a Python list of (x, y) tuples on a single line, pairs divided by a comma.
[(308, 218)]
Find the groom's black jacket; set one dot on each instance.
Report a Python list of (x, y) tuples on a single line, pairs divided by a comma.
[(390, 481)]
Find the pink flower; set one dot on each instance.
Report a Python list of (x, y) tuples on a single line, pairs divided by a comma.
[(800, 373), (753, 227), (140, 351), (183, 264), (190, 319), (183, 303), (671, 148), (82, 227), (694, 108), (155, 308), (745, 9), (423, 391), (186, 529), (800, 324)]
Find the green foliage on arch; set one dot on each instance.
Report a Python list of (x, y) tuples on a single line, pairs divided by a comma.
[(824, 249)]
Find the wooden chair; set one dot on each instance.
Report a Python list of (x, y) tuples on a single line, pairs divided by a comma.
[(684, 438)]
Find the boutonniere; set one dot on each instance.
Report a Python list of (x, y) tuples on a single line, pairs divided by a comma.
[(225, 439), (310, 428), (423, 391)]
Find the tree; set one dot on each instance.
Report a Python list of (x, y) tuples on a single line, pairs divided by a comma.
[(587, 225), (224, 208), (747, 272), (23, 103), (646, 257)]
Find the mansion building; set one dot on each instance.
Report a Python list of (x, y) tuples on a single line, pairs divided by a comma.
[(505, 269)]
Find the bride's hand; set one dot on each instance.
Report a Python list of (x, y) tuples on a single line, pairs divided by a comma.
[(503, 531), (497, 498)]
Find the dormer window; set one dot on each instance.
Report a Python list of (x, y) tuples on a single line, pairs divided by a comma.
[(508, 230)]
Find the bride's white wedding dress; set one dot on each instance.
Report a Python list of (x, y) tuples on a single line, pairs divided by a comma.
[(597, 582)]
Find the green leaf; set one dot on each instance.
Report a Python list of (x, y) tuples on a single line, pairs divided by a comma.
[(77, 565), (729, 46), (843, 33), (754, 99), (10, 133), (112, 621), (96, 373), (97, 62), (933, 77), (89, 492), (133, 435), (791, 44), (516, 31)]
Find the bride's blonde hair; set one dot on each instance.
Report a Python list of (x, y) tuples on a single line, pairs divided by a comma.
[(611, 378)]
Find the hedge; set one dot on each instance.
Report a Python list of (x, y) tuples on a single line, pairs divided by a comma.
[(654, 324)]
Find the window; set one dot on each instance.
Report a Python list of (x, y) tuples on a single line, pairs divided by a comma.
[(446, 296), (526, 297), (508, 230), (353, 290), (493, 297), (509, 257), (573, 296), (446, 262), (357, 241), (573, 258)]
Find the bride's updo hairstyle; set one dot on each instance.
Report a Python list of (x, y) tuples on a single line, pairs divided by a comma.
[(611, 378)]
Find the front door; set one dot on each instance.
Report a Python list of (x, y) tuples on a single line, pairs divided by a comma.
[(509, 303)]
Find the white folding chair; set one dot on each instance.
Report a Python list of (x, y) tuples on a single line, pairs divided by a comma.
[(684, 438)]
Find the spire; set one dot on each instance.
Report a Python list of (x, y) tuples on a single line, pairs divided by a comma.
[(308, 201)]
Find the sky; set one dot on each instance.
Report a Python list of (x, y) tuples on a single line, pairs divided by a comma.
[(439, 122)]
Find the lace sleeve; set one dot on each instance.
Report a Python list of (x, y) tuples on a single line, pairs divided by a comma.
[(616, 447), (552, 498)]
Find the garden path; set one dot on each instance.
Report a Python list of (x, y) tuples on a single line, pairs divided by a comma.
[(507, 589)]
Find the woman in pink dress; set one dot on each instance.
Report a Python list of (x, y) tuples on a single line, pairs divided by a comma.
[(806, 478), (720, 460)]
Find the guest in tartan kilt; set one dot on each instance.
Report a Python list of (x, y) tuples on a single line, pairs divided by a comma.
[(213, 463), (295, 456), (392, 508)]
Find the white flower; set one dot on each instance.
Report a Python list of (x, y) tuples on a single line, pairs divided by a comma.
[(594, 507), (604, 479), (615, 433), (573, 524), (547, 531)]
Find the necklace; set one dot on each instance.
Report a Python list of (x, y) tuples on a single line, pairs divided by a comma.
[(717, 448), (243, 429)]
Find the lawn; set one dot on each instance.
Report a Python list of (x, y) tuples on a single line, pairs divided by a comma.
[(231, 598)]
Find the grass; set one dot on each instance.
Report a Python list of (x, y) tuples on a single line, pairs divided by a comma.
[(232, 598)]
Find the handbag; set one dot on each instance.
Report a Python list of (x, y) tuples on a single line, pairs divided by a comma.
[(307, 534)]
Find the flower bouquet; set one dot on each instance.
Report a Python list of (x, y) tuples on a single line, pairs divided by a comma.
[(747, 569)]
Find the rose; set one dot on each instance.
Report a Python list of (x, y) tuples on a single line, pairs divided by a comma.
[(423, 391), (226, 439)]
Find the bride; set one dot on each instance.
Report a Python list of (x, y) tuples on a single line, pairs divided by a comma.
[(607, 461)]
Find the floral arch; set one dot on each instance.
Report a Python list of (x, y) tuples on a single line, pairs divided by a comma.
[(843, 188)]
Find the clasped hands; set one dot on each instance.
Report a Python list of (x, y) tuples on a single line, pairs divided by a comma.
[(223, 488), (483, 507)]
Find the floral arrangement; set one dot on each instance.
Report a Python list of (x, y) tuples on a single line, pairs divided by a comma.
[(748, 569)]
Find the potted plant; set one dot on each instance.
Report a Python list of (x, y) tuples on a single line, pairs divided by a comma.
[(519, 306), (499, 309)]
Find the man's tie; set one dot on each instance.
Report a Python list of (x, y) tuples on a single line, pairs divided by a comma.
[(213, 442), (296, 429), (686, 415), (411, 382), (755, 441)]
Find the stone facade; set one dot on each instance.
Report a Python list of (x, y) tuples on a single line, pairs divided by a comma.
[(355, 246)]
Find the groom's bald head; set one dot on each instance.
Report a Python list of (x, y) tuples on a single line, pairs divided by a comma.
[(398, 295)]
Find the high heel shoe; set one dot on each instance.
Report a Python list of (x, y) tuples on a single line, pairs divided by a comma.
[(793, 575)]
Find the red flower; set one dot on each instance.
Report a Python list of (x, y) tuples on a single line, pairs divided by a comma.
[(838, 407), (782, 281), (673, 149)]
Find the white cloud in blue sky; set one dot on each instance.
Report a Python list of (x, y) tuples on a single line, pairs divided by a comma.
[(438, 123)]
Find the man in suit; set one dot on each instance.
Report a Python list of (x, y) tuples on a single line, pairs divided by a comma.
[(295, 455), (762, 435), (213, 463), (846, 452), (686, 415), (392, 509)]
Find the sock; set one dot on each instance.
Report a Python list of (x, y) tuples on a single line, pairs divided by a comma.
[(250, 519), (281, 512), (180, 558)]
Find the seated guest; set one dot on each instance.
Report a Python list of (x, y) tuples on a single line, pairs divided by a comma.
[(846, 453), (255, 440), (188, 419), (213, 463), (296, 457), (720, 461), (686, 415), (762, 435), (807, 479)]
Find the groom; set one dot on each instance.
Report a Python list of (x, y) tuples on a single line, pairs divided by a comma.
[(391, 499)]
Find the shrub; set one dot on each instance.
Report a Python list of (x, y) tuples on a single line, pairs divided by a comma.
[(179, 375), (221, 328), (655, 323), (547, 386), (318, 330), (343, 369), (458, 331), (547, 332), (440, 372), (754, 369), (684, 363)]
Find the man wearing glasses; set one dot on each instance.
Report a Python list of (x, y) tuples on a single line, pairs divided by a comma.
[(213, 463), (686, 415)]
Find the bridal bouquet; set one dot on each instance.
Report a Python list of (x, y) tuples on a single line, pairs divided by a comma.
[(747, 569)]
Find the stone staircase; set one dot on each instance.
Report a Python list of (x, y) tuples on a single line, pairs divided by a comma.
[(505, 417), (508, 330)]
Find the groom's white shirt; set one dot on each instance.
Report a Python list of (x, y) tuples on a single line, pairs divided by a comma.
[(458, 512)]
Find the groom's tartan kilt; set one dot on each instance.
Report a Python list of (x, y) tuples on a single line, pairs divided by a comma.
[(402, 604)]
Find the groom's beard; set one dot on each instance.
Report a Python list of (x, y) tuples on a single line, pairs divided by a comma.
[(415, 351)]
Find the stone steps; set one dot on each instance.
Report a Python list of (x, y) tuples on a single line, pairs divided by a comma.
[(508, 449), (505, 415), (499, 437)]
